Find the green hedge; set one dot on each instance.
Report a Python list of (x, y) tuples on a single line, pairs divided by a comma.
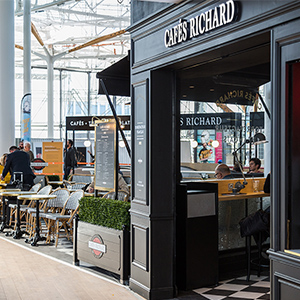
[(105, 212), (53, 177)]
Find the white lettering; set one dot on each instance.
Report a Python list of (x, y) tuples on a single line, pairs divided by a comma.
[(230, 9), (184, 31), (202, 23), (206, 21), (215, 23), (167, 38), (192, 28), (222, 14)]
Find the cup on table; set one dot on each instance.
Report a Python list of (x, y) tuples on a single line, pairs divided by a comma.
[(255, 186)]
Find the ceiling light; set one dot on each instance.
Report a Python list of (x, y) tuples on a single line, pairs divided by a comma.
[(87, 143)]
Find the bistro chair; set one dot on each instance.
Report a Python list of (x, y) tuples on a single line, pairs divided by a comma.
[(122, 196), (78, 185), (13, 207), (46, 190), (52, 205), (61, 224)]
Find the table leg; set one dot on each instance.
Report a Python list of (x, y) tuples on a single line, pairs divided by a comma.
[(3, 223), (18, 232), (37, 236)]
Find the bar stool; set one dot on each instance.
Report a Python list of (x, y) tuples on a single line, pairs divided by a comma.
[(258, 263), (256, 225)]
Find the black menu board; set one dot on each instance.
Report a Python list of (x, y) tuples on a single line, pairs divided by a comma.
[(105, 158)]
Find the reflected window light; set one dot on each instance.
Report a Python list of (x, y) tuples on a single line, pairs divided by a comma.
[(215, 144), (122, 144), (194, 144)]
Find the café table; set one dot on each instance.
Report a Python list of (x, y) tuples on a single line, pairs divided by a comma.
[(13, 194), (3, 222), (36, 238), (56, 182)]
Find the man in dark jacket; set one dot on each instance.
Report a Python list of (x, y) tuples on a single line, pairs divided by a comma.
[(18, 161), (69, 159)]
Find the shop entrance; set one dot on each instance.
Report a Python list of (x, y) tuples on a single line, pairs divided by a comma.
[(223, 99)]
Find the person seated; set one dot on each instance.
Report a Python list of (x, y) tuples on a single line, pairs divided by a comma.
[(267, 184), (122, 185), (222, 171), (2, 164), (254, 165)]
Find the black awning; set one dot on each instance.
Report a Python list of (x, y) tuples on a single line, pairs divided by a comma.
[(116, 78)]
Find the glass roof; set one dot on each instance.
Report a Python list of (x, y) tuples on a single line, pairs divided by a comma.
[(66, 24)]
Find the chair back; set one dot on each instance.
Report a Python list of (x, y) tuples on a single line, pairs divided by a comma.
[(46, 190), (73, 200), (78, 185), (68, 185), (122, 196), (35, 188), (62, 196)]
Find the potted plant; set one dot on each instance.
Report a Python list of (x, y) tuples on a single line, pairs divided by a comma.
[(101, 235)]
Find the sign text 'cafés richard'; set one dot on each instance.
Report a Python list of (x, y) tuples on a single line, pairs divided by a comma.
[(206, 21)]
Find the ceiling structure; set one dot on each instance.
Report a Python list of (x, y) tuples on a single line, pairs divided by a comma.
[(65, 24)]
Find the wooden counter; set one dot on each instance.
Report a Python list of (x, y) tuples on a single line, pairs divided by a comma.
[(224, 185), (241, 196)]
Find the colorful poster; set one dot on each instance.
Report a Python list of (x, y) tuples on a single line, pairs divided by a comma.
[(26, 118), (206, 153)]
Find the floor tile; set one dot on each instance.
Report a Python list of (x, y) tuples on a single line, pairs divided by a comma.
[(247, 295), (219, 292), (256, 289), (214, 297), (202, 290), (265, 284), (231, 287)]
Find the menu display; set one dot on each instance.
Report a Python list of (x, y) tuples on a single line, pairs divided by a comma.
[(105, 158), (140, 140)]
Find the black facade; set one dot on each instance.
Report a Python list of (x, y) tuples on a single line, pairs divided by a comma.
[(209, 43)]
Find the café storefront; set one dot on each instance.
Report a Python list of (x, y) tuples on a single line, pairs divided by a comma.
[(210, 51)]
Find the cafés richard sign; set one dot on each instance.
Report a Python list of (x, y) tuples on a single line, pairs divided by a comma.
[(210, 121), (218, 16)]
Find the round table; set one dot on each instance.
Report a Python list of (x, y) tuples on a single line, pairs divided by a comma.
[(36, 198)]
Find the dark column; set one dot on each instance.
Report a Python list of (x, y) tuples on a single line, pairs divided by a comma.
[(153, 185)]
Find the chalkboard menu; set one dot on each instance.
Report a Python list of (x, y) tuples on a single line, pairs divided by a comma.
[(105, 155)]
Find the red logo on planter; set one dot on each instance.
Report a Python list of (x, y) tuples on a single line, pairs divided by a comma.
[(97, 245)]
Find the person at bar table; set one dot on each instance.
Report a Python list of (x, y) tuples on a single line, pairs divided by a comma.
[(122, 185), (254, 165), (2, 164), (222, 171), (18, 161)]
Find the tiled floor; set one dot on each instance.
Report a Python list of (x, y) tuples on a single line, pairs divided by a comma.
[(233, 289), (236, 288)]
